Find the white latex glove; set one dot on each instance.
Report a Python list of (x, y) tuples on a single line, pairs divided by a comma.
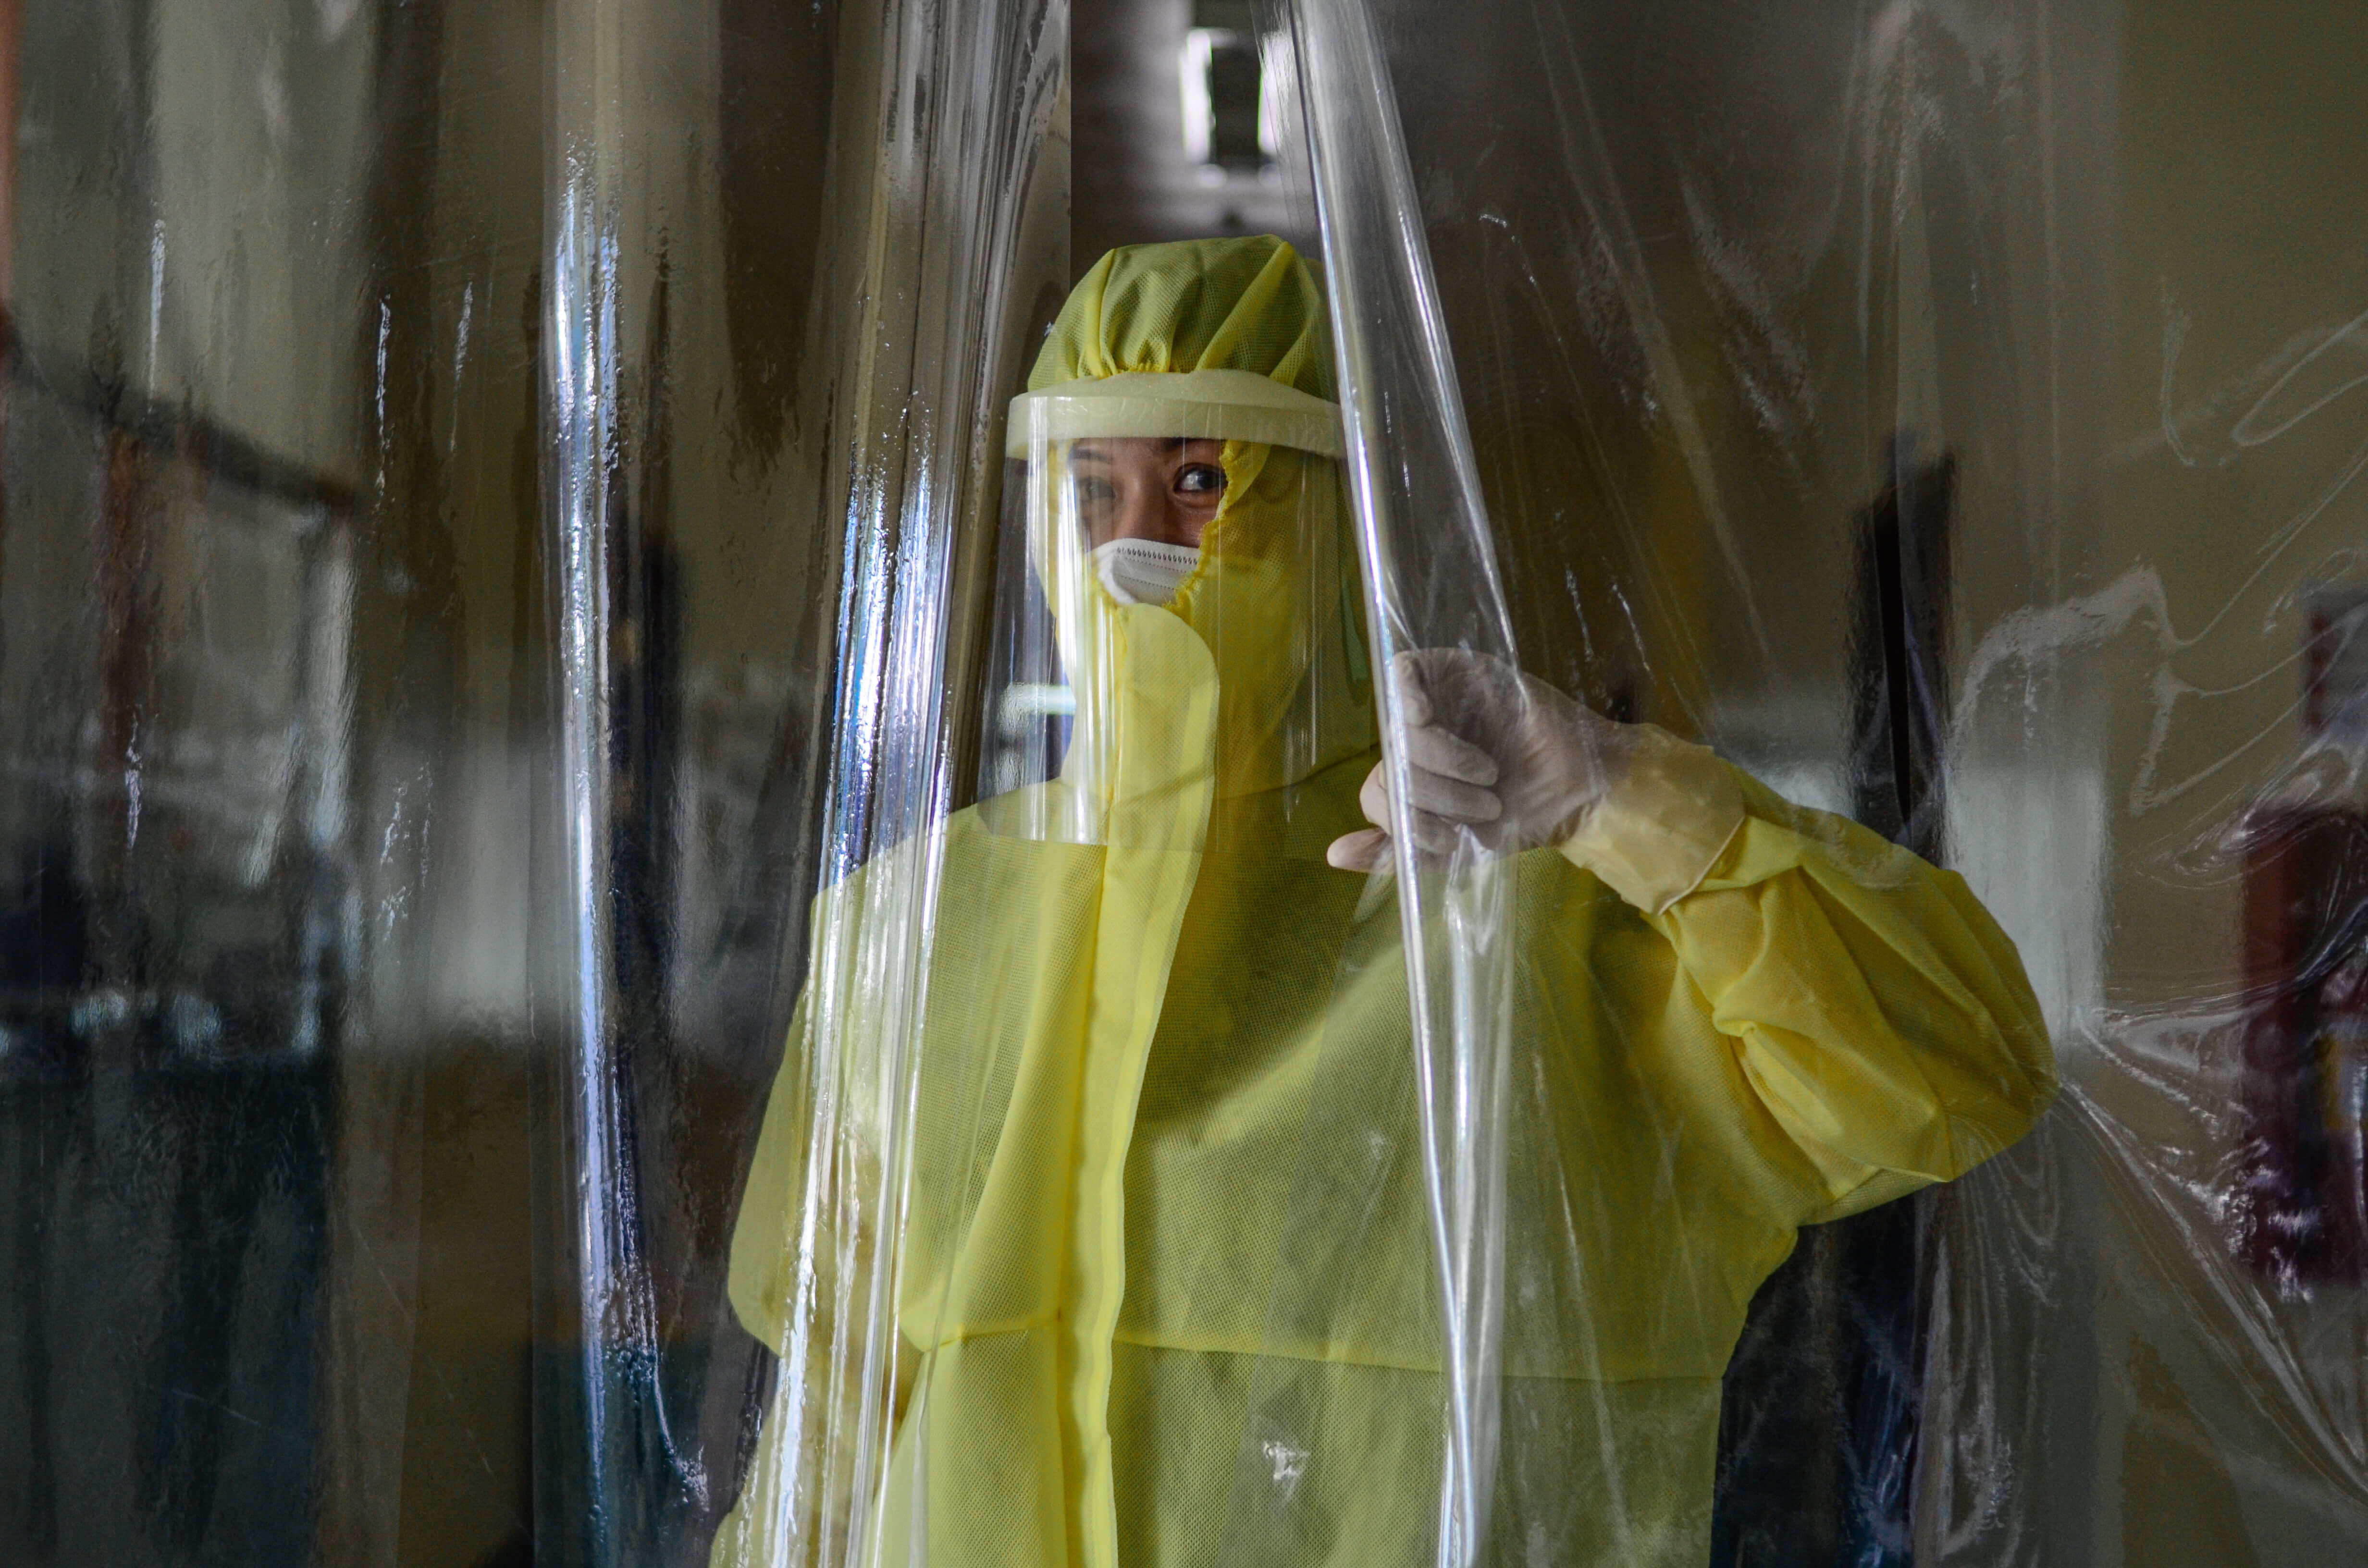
[(1491, 751)]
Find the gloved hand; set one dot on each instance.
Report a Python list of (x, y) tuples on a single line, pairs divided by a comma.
[(1492, 752)]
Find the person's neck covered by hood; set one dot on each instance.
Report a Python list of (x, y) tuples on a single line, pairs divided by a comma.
[(1220, 341)]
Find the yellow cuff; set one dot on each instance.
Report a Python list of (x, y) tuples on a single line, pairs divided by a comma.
[(1658, 832)]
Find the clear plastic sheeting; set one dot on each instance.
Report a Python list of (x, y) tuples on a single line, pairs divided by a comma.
[(1608, 813), (1323, 1047), (1431, 577)]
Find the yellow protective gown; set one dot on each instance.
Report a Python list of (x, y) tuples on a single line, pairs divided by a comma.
[(1165, 1281)]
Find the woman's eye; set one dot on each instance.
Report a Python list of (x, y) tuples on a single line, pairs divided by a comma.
[(1200, 479)]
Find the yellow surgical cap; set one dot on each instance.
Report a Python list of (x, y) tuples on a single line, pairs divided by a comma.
[(1221, 339)]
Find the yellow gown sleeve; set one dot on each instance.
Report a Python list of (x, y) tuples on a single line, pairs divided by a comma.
[(768, 1527), (763, 1237), (759, 1278), (1878, 1015)]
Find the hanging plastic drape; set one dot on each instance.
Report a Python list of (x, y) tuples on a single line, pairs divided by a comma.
[(1350, 783), (1329, 1097)]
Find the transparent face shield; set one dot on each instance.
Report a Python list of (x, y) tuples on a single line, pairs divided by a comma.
[(1176, 607)]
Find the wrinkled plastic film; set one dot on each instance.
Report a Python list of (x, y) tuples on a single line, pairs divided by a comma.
[(1895, 312), (956, 231), (1431, 579)]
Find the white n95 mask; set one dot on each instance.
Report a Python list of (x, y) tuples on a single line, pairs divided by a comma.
[(1143, 571)]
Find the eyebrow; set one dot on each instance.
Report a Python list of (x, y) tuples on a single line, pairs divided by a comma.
[(1169, 446)]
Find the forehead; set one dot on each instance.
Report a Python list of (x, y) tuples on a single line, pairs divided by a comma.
[(1140, 449)]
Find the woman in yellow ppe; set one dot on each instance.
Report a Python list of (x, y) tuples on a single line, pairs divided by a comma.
[(1164, 1292)]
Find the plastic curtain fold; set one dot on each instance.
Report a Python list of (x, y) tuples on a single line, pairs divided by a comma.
[(1431, 579), (948, 150)]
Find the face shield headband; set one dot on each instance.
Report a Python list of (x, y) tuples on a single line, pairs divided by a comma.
[(1215, 405)]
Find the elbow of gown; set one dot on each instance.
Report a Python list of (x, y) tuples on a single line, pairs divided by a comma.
[(1879, 1017)]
